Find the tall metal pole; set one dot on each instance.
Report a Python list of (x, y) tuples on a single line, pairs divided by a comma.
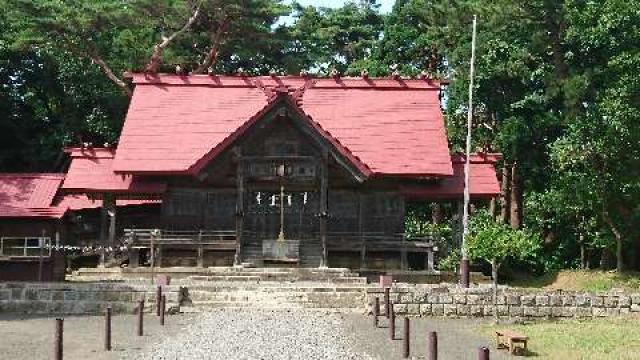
[(464, 263)]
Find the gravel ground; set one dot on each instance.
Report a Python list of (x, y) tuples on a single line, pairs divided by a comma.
[(238, 334), (31, 337), (243, 334)]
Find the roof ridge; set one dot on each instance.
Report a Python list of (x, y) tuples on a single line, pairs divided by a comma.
[(32, 175)]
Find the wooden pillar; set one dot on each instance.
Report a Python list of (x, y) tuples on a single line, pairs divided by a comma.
[(324, 195), (158, 255), (110, 203), (363, 239), (134, 258), (237, 259), (430, 260), (200, 259), (404, 263), (104, 229)]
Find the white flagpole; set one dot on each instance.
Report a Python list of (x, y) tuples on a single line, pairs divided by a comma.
[(464, 268)]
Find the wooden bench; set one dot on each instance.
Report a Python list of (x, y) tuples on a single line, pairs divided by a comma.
[(508, 340)]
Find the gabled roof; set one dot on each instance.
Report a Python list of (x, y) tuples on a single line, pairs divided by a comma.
[(91, 172), (392, 127), (29, 195), (283, 100), (483, 182)]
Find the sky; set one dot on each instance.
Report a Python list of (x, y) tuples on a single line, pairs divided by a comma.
[(385, 6)]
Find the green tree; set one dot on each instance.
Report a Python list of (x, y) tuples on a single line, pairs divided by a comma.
[(341, 38), (495, 242)]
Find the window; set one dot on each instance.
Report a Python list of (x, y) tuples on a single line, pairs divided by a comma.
[(25, 246)]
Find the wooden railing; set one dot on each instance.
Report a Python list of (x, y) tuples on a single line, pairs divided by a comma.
[(209, 239), (380, 242)]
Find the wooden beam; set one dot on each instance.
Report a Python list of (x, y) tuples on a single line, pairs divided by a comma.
[(200, 259), (134, 258), (324, 195), (110, 203), (363, 239), (104, 230), (237, 259)]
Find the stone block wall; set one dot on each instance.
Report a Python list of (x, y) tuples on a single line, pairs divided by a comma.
[(451, 301), (80, 298)]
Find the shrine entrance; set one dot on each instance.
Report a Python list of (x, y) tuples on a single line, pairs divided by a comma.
[(282, 226)]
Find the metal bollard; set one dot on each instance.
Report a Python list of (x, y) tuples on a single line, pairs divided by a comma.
[(386, 301), (107, 329), (483, 353), (158, 299), (140, 317), (57, 344), (392, 322), (376, 311), (163, 302), (406, 339), (433, 346)]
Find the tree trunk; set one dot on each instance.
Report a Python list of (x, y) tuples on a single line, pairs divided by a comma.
[(619, 243), (493, 208), (505, 196), (212, 55), (436, 213), (516, 207), (494, 274), (583, 251), (158, 49)]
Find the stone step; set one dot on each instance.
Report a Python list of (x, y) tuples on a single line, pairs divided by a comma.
[(257, 278)]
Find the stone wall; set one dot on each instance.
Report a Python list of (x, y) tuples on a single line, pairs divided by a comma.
[(450, 301), (80, 298)]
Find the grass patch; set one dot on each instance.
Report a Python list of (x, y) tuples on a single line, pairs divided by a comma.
[(581, 280), (614, 338)]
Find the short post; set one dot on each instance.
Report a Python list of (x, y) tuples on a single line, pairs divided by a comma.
[(392, 322), (140, 317), (57, 345), (433, 346), (163, 303), (386, 301), (158, 298), (406, 339), (483, 353), (107, 329), (376, 311)]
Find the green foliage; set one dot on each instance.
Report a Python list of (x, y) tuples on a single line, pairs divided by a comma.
[(495, 242)]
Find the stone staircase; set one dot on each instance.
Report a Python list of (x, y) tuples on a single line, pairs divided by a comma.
[(276, 289), (262, 288)]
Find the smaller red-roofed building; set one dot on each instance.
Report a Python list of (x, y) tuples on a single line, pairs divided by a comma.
[(29, 225)]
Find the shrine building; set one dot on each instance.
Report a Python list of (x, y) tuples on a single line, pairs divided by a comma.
[(255, 171)]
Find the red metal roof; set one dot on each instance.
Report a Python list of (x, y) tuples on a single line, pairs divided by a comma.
[(82, 202), (392, 126), (29, 195), (91, 171), (483, 182)]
